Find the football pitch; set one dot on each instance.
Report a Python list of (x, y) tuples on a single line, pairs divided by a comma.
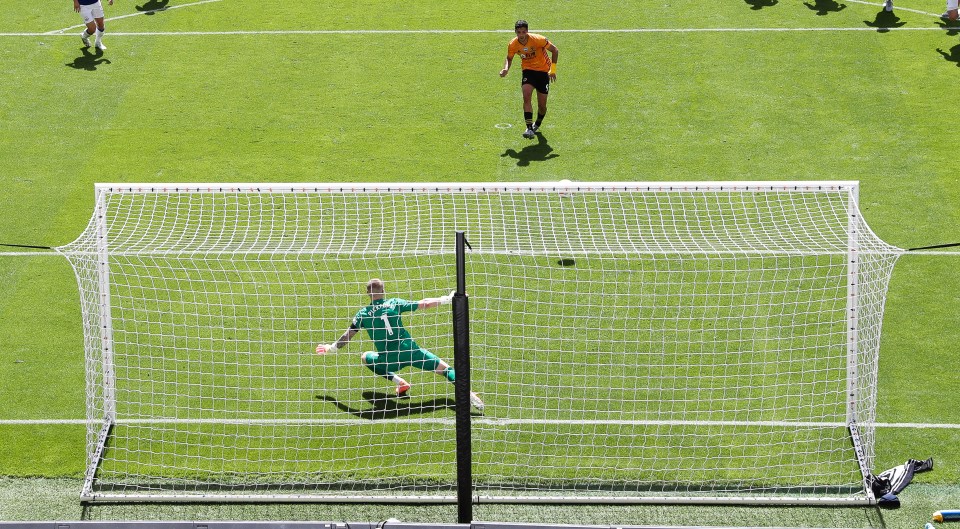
[(242, 91)]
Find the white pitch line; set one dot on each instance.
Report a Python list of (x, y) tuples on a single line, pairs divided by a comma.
[(34, 254), (62, 32), (58, 33), (78, 26), (450, 420), (895, 9), (939, 253)]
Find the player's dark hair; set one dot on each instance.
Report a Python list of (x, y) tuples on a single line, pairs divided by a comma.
[(521, 24)]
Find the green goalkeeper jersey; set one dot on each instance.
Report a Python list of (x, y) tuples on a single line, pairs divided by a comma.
[(381, 319)]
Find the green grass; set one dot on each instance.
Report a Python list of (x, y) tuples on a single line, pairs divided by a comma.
[(56, 499), (853, 105)]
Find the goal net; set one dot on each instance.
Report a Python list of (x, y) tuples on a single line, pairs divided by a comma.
[(633, 342)]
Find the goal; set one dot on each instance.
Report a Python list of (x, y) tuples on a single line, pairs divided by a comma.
[(704, 342)]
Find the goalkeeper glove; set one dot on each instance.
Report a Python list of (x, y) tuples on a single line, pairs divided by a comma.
[(324, 349), (448, 299)]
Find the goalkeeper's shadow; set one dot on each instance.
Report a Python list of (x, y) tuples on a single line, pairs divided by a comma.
[(387, 406)]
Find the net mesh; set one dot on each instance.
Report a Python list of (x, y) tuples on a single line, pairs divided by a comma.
[(629, 340)]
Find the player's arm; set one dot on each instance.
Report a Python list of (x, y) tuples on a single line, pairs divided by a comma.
[(76, 5), (429, 303), (554, 53), (341, 342), (506, 65)]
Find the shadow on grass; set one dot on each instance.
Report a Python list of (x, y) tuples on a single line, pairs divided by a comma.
[(825, 7), (387, 406), (952, 27), (538, 152), (88, 61), (152, 7), (757, 5), (885, 21), (953, 56)]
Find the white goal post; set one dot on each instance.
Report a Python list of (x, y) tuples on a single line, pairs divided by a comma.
[(692, 342)]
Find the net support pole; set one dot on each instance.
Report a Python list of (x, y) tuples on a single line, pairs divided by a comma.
[(461, 359), (86, 493)]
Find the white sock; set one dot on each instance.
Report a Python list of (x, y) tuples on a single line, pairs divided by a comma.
[(85, 34), (99, 35), (398, 381)]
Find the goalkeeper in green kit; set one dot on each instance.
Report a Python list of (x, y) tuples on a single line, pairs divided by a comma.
[(395, 347)]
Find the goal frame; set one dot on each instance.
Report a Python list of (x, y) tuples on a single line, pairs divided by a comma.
[(106, 388)]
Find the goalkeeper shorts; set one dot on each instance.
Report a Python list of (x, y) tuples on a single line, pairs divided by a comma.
[(393, 361)]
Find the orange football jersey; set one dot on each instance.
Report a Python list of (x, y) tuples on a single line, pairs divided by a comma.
[(533, 54)]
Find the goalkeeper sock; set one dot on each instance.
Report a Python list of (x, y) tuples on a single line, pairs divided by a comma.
[(528, 117), (540, 118), (450, 374)]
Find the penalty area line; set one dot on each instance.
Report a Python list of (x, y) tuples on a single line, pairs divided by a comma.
[(111, 19), (896, 8), (62, 32)]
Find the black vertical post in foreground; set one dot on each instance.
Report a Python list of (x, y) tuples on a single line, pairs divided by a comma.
[(461, 359)]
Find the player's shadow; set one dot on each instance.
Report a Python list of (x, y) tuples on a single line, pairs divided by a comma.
[(757, 5), (88, 61), (387, 406), (825, 7), (153, 7), (537, 152), (885, 21), (953, 56), (951, 26)]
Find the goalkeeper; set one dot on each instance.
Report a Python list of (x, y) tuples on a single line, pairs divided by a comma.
[(395, 347)]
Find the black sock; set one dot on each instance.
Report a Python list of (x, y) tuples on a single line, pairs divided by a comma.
[(528, 117), (540, 117)]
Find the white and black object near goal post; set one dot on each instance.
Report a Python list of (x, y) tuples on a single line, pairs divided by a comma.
[(634, 342)]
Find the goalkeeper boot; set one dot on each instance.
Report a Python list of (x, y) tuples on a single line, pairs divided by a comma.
[(888, 5), (529, 133), (535, 128), (476, 402), (402, 389)]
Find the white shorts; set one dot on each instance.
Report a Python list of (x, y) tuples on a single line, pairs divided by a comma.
[(91, 12)]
